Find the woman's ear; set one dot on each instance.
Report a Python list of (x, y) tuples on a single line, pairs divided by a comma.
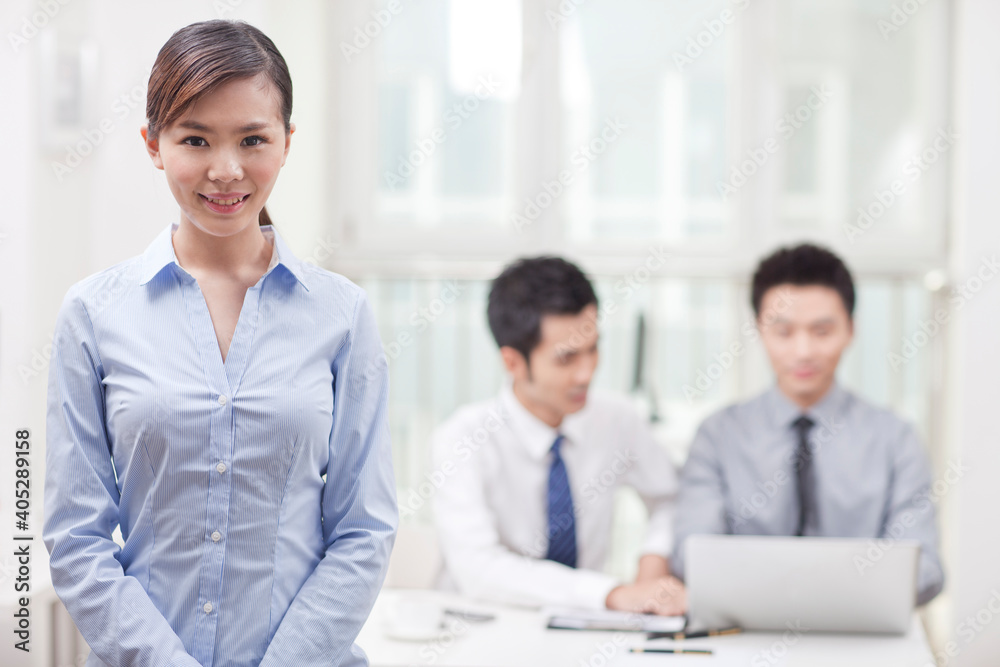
[(153, 146)]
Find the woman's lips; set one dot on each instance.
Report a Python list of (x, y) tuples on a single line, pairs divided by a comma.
[(216, 204)]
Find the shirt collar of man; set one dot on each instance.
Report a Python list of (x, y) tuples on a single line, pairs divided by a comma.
[(535, 435), (827, 411), (160, 253)]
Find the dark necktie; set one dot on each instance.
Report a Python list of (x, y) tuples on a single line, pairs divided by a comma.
[(805, 475), (562, 520)]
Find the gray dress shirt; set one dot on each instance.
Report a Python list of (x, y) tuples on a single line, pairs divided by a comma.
[(872, 477)]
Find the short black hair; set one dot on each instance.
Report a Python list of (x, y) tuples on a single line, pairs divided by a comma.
[(528, 289), (804, 264)]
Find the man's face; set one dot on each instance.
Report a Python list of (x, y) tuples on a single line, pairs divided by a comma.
[(805, 329), (562, 364)]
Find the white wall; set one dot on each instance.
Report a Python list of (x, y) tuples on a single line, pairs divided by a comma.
[(975, 339)]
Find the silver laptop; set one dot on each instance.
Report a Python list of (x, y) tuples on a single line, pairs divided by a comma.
[(815, 583)]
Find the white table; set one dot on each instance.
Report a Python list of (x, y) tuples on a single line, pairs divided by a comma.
[(518, 638)]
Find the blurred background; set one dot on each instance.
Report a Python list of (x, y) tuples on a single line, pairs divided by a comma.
[(665, 146)]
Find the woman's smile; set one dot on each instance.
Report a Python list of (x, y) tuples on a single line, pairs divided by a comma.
[(221, 203)]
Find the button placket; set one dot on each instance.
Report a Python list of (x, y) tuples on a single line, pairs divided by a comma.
[(223, 378), (219, 486), (219, 491)]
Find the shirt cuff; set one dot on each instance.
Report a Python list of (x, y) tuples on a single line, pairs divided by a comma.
[(658, 543), (592, 588)]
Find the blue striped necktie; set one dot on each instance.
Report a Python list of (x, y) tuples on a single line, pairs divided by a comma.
[(562, 520)]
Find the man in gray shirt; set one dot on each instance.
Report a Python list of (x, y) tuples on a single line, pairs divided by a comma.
[(807, 457)]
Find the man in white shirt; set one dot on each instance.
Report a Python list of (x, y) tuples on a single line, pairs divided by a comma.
[(525, 513)]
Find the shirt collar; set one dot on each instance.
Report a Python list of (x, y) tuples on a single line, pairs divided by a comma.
[(160, 253), (827, 410), (536, 436)]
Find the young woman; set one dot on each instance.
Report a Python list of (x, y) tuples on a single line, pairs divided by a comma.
[(221, 401)]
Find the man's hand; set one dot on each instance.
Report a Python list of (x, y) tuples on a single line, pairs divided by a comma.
[(665, 596)]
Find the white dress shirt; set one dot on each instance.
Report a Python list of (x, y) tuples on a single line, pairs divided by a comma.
[(491, 511)]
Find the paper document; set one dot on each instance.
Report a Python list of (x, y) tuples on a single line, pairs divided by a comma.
[(568, 618)]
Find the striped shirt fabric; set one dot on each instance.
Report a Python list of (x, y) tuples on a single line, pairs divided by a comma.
[(255, 495)]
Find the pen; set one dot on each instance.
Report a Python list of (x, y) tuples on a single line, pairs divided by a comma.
[(695, 635), (470, 616), (694, 651)]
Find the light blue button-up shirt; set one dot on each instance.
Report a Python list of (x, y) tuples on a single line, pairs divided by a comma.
[(255, 496)]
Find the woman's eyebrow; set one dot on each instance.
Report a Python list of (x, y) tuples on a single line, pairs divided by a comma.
[(195, 125)]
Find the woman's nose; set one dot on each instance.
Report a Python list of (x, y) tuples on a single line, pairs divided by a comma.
[(225, 167)]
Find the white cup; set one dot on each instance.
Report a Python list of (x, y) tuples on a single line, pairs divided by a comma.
[(414, 618)]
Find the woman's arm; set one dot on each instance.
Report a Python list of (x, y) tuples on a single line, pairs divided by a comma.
[(360, 514), (112, 610)]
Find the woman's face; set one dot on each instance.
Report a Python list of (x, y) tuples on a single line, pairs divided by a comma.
[(228, 145)]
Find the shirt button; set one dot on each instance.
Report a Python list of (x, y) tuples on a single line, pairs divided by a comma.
[(221, 467), (222, 399), (208, 607), (216, 536)]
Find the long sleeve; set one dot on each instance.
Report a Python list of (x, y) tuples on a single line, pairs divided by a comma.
[(651, 473), (911, 513), (486, 569), (701, 505), (360, 514), (113, 611)]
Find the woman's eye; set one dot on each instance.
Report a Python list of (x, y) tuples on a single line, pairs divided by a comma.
[(255, 140), (193, 141)]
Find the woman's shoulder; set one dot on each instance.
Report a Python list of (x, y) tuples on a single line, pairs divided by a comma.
[(332, 288), (106, 283)]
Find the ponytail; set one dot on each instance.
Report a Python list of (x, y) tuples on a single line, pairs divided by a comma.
[(264, 218)]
